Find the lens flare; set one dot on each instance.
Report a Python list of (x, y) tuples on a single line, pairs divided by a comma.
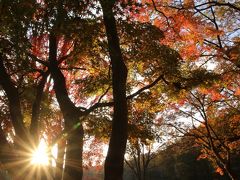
[(40, 155)]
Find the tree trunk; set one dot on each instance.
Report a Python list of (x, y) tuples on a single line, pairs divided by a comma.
[(22, 143), (73, 162), (115, 157), (229, 171), (34, 127), (60, 160), (4, 150), (14, 105)]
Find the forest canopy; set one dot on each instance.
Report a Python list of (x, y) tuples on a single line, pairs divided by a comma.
[(113, 85)]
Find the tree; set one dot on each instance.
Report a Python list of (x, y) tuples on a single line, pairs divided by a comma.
[(115, 157), (141, 154), (178, 161), (144, 140), (90, 69), (212, 128), (15, 71)]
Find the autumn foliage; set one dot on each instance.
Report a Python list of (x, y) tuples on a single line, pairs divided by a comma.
[(131, 74)]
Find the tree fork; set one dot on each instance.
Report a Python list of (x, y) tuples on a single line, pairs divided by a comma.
[(74, 130)]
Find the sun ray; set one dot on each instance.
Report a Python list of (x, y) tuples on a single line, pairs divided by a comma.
[(40, 155)]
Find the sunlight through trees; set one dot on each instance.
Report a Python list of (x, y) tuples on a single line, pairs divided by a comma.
[(84, 84)]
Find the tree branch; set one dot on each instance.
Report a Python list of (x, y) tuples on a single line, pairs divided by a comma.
[(108, 104)]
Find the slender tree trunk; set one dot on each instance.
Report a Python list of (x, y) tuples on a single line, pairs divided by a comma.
[(230, 174), (224, 164), (115, 157), (139, 167), (229, 171), (73, 161), (34, 127)]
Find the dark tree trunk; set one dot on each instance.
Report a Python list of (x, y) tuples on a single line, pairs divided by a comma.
[(34, 128), (60, 159), (4, 150), (18, 161), (22, 142), (14, 105), (115, 157), (73, 161), (73, 127)]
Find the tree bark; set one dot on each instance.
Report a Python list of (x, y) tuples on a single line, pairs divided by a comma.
[(14, 105), (115, 157), (73, 161), (34, 127), (60, 160), (73, 127), (4, 151), (22, 141)]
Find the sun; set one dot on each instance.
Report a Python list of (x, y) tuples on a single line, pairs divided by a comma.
[(40, 155)]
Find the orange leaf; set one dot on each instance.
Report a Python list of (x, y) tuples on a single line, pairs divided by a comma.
[(237, 92)]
